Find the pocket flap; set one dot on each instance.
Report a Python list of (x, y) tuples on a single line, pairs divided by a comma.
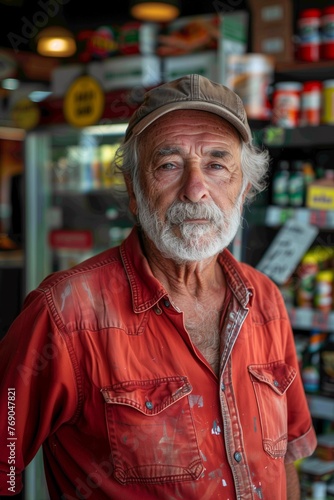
[(148, 396), (278, 375)]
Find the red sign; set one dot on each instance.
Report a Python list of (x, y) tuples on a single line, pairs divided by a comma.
[(71, 239)]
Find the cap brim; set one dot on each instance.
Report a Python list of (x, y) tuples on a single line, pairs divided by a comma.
[(199, 105)]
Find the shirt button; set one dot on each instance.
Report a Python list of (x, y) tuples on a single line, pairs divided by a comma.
[(149, 405), (276, 383), (167, 303), (237, 456), (222, 387), (157, 310)]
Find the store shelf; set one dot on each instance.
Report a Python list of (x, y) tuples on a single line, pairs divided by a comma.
[(321, 406), (276, 216), (302, 71), (303, 318), (306, 137)]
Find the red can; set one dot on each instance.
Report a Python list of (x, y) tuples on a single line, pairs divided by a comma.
[(327, 33), (309, 35)]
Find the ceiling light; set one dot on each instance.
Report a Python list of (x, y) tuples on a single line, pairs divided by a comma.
[(56, 41), (163, 11)]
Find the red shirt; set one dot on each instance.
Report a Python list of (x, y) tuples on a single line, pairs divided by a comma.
[(107, 379)]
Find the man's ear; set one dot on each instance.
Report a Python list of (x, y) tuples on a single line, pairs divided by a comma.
[(132, 198)]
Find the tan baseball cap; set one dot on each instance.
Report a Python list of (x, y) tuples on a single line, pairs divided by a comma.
[(190, 92)]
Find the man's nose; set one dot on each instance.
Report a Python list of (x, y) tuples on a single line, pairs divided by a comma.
[(194, 187)]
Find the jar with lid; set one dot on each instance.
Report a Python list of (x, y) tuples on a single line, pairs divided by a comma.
[(308, 27), (327, 109), (327, 33), (310, 103), (286, 104)]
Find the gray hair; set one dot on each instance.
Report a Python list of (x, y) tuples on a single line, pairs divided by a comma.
[(254, 166)]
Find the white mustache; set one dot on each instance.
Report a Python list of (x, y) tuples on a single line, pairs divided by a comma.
[(180, 211)]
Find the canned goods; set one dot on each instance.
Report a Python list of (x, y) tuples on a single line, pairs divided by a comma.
[(327, 33), (310, 105), (327, 115), (286, 104), (308, 25)]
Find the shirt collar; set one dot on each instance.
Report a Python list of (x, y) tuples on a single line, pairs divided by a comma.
[(146, 290)]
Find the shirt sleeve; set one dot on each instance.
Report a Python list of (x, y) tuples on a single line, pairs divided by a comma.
[(301, 434), (37, 389)]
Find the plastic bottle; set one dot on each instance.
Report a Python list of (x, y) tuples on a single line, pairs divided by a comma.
[(310, 103), (280, 184), (296, 185), (308, 27), (306, 271), (308, 172), (323, 290)]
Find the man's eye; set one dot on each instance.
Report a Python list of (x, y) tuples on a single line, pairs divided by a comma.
[(167, 166), (216, 166)]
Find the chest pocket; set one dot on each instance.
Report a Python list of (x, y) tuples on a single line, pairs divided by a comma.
[(151, 431), (270, 382)]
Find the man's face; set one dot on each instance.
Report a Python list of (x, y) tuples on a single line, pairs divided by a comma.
[(189, 202)]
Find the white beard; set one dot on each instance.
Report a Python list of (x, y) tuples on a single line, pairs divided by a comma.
[(195, 242)]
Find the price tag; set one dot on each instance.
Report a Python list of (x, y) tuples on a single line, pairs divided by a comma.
[(286, 250), (84, 102)]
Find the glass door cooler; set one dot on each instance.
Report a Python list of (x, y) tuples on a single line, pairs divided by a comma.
[(75, 200)]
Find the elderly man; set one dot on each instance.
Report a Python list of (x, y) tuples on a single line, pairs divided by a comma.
[(169, 368)]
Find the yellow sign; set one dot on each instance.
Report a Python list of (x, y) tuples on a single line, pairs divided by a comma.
[(84, 102), (25, 114)]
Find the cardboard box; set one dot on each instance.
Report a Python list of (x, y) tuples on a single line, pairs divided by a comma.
[(204, 63), (275, 41), (320, 195), (272, 28), (270, 12)]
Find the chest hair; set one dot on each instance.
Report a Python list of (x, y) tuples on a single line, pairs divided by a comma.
[(202, 325)]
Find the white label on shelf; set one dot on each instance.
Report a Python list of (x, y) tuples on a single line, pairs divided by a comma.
[(286, 250), (272, 13), (273, 45)]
